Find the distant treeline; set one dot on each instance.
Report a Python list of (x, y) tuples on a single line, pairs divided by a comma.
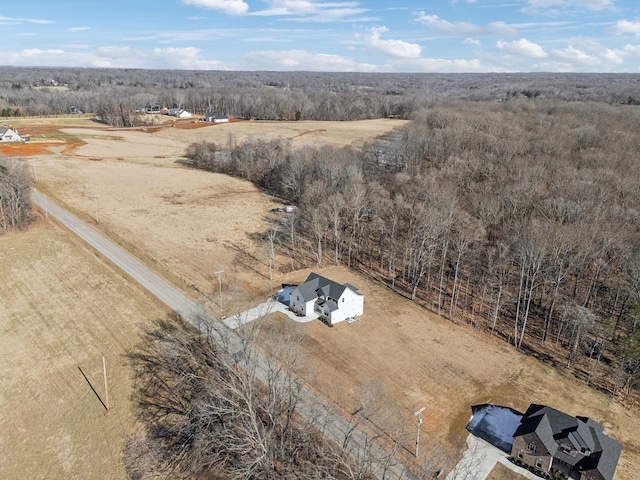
[(114, 94), (520, 217)]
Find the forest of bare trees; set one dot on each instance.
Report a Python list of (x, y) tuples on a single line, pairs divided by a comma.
[(520, 217), (114, 95), (15, 195), (214, 406)]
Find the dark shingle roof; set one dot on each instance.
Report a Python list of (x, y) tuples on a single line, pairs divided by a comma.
[(588, 447)]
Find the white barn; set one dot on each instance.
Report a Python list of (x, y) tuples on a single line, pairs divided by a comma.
[(9, 135), (331, 301)]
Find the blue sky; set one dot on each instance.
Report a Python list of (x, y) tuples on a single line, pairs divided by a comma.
[(326, 35)]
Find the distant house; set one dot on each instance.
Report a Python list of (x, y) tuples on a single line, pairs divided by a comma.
[(75, 110), (9, 135), (216, 117), (549, 439), (331, 301), (179, 113)]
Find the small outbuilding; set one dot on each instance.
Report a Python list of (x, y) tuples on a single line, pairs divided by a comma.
[(333, 302)]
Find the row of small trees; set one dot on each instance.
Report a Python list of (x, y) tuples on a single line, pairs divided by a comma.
[(520, 217), (15, 191)]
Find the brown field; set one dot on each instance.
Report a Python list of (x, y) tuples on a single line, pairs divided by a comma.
[(500, 472), (188, 224), (62, 307)]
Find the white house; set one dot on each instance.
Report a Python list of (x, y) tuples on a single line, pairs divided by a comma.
[(8, 135), (216, 117), (331, 301), (179, 112)]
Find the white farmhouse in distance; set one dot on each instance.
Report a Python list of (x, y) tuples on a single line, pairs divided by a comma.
[(179, 113), (9, 135), (331, 301), (216, 117)]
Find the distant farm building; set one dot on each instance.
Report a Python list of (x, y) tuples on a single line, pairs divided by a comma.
[(331, 301), (216, 117), (179, 113), (9, 135)]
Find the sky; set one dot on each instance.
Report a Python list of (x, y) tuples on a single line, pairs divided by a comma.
[(325, 35)]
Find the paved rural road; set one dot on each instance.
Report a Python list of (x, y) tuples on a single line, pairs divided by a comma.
[(309, 406)]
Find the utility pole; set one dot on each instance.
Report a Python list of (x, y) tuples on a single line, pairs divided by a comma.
[(219, 274), (95, 200), (419, 415)]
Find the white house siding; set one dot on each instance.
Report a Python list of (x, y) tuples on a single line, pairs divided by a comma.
[(297, 303), (10, 136), (350, 304)]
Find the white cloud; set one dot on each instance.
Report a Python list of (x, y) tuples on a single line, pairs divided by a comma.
[(471, 41), (115, 57), (394, 48), (310, 11), (302, 60), (78, 29), (440, 65), (585, 55), (522, 48), (439, 25), (17, 21), (230, 7), (576, 4), (625, 26)]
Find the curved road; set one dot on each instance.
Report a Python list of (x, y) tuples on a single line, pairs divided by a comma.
[(311, 407)]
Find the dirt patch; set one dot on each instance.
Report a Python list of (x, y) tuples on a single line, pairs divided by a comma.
[(25, 149)]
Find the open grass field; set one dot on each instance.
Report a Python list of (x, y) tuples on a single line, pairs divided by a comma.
[(188, 224), (62, 307)]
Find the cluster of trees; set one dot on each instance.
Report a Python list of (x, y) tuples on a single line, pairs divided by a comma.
[(520, 216), (114, 94), (15, 195), (216, 407)]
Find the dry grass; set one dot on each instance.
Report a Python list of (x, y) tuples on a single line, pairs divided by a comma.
[(62, 307), (188, 224), (500, 472)]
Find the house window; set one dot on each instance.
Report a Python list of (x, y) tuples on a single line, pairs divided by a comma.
[(520, 454), (531, 447), (297, 298), (539, 463), (343, 300)]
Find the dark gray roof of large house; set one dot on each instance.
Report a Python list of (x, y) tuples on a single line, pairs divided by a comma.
[(216, 115), (586, 447), (318, 286)]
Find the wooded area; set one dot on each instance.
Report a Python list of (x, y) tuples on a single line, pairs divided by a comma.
[(113, 95), (520, 217), (214, 406), (15, 195)]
